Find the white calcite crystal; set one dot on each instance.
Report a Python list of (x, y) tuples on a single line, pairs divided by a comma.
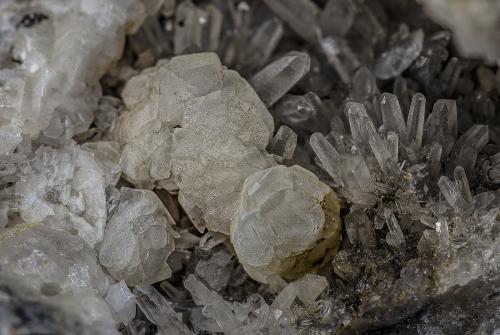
[(287, 222), (138, 239), (203, 127), (55, 267), (66, 184), (57, 92)]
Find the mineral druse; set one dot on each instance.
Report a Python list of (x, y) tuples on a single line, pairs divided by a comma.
[(249, 167)]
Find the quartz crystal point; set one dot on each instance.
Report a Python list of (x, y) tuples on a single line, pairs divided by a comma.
[(67, 184), (54, 267), (277, 78), (400, 56), (60, 89), (158, 310), (272, 238), (196, 29), (337, 17), (284, 143), (138, 239), (302, 17)]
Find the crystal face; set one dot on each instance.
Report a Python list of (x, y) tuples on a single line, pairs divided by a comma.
[(271, 238), (249, 167)]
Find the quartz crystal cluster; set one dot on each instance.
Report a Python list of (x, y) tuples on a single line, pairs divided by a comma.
[(248, 167)]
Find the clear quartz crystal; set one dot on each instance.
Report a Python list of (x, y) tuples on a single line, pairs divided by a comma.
[(399, 57), (158, 310), (302, 17), (270, 237), (284, 143), (138, 239), (277, 78)]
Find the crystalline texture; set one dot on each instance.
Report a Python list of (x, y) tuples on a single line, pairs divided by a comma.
[(54, 267), (68, 184), (158, 311), (62, 88), (138, 239), (270, 237), (277, 78)]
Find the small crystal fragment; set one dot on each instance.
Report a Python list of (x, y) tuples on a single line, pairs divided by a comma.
[(159, 312), (284, 143)]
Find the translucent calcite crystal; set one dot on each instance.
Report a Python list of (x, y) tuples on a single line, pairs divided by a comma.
[(61, 56), (66, 184), (54, 267), (138, 239), (287, 222)]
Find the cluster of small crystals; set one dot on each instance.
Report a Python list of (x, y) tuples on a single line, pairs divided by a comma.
[(183, 167)]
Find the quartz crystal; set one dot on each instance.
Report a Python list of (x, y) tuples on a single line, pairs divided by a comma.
[(272, 82), (273, 239), (138, 239)]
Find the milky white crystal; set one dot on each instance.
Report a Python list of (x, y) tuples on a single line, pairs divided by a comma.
[(138, 239), (67, 184), (287, 221), (55, 267), (191, 121), (55, 87)]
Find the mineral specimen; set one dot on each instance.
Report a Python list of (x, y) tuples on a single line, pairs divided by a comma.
[(137, 153)]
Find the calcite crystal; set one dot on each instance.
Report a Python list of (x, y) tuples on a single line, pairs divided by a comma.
[(138, 239), (57, 93), (66, 184), (54, 267), (287, 222)]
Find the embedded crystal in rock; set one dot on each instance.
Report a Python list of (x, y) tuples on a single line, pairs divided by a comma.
[(138, 239), (273, 237)]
